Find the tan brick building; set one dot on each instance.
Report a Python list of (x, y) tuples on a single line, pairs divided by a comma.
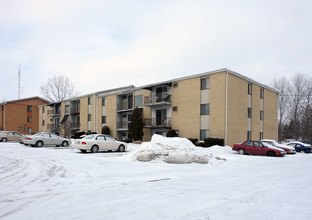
[(219, 103), (17, 113)]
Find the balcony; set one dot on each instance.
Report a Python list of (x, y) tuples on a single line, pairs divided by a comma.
[(160, 99), (164, 122), (124, 106), (123, 125), (54, 112), (75, 111), (75, 126), (52, 128)]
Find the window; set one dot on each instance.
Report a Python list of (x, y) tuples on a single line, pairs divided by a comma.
[(100, 138), (89, 100), (109, 138), (175, 85), (42, 122), (29, 130), (29, 108), (66, 109), (262, 93), (204, 134), (103, 101), (248, 143), (249, 88), (248, 135), (257, 144), (249, 112), (261, 135), (205, 83), (138, 100), (42, 109), (261, 115), (46, 135), (28, 119), (204, 109), (89, 117), (175, 108), (103, 119)]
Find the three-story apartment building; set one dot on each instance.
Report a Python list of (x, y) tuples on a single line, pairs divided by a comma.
[(219, 103)]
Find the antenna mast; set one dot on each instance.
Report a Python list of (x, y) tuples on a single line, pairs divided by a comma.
[(19, 81)]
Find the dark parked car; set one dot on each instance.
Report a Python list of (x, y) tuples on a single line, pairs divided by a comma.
[(301, 147), (307, 142), (256, 147)]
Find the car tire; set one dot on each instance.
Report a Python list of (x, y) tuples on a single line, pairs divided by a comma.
[(121, 148), (39, 144), (64, 144), (302, 151), (241, 151), (83, 151), (271, 154), (94, 149), (4, 139)]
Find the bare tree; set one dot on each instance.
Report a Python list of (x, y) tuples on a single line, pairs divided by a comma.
[(296, 92), (282, 84), (307, 111), (58, 88), (66, 127), (22, 128)]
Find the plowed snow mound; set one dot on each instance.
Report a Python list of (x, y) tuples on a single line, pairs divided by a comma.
[(171, 150)]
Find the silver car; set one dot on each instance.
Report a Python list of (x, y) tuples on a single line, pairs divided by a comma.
[(10, 136), (45, 139)]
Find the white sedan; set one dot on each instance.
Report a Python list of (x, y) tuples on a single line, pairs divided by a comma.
[(99, 142), (44, 138)]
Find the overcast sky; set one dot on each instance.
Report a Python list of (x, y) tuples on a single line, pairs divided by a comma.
[(101, 44)]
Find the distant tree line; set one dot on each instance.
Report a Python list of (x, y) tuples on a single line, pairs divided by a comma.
[(294, 107)]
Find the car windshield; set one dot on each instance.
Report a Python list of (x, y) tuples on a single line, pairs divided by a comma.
[(275, 143), (89, 136), (266, 144)]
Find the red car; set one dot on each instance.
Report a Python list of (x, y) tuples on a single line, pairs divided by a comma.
[(256, 147)]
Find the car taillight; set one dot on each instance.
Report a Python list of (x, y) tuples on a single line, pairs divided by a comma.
[(28, 139), (83, 142)]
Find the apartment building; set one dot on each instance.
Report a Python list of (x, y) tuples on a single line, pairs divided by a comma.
[(21, 113), (219, 103)]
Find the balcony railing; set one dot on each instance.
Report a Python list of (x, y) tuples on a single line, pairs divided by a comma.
[(124, 106), (158, 122), (52, 127), (74, 110), (122, 125), (54, 112), (75, 125), (157, 99)]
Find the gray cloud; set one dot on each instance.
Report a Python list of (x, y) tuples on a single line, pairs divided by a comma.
[(105, 44)]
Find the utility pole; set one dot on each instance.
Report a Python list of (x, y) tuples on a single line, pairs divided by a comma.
[(19, 81)]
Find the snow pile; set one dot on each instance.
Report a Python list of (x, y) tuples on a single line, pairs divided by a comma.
[(171, 150)]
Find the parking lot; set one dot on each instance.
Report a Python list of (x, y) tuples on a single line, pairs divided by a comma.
[(62, 183)]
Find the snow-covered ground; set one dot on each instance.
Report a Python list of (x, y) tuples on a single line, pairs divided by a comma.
[(62, 183)]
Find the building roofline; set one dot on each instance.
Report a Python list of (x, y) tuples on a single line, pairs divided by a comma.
[(207, 74), (126, 89), (102, 92), (23, 99)]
